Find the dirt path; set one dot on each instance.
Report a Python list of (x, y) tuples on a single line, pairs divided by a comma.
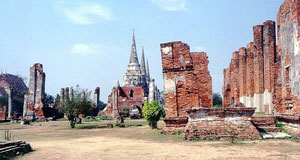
[(117, 148), (54, 140)]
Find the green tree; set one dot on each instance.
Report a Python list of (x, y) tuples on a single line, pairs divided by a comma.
[(152, 113), (72, 108), (217, 100)]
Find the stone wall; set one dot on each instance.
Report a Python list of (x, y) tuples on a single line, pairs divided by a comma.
[(187, 83), (33, 100), (220, 123)]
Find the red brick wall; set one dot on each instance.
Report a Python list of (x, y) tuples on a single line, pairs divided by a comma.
[(200, 63), (187, 82), (287, 65), (250, 70)]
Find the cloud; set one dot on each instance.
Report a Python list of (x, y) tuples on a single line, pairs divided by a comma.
[(84, 49), (88, 13), (171, 5), (199, 49)]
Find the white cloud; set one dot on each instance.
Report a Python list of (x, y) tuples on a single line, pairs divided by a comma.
[(84, 49), (88, 13), (171, 5), (198, 49)]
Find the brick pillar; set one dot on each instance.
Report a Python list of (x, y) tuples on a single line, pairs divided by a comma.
[(242, 74), (10, 103), (235, 77), (97, 96), (258, 69), (269, 51), (250, 75), (226, 87)]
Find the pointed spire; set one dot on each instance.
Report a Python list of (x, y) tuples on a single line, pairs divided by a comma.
[(118, 83), (133, 56), (147, 70), (143, 67)]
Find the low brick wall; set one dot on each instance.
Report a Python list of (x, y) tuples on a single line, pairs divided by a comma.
[(291, 123), (174, 125), (220, 123)]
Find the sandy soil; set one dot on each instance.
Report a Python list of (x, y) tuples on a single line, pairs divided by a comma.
[(54, 140)]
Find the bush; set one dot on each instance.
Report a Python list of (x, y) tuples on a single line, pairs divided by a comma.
[(152, 113), (125, 112)]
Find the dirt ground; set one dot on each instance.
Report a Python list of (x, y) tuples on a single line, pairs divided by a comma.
[(55, 140)]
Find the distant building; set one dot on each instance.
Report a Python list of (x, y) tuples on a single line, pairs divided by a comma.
[(12, 90), (137, 88)]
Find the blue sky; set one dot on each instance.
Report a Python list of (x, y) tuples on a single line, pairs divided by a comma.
[(88, 42)]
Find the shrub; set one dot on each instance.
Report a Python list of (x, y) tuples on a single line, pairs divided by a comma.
[(152, 113)]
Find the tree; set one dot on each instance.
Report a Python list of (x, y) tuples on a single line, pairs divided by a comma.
[(152, 113), (75, 106), (48, 99), (217, 100)]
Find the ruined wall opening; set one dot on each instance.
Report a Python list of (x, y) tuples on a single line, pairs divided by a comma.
[(232, 100), (131, 93)]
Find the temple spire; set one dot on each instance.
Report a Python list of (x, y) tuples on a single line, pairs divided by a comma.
[(147, 71), (143, 67), (118, 83), (133, 56)]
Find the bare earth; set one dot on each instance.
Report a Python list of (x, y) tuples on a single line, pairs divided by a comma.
[(54, 140)]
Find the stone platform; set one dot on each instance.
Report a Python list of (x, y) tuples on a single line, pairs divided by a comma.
[(220, 123)]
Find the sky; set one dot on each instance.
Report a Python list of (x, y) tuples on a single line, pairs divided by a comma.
[(88, 42)]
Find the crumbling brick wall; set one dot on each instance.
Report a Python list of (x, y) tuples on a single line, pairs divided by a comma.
[(249, 78), (33, 100), (221, 123), (187, 82), (276, 69), (124, 97), (288, 74)]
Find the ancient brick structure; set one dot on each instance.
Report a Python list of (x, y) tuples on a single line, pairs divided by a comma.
[(272, 73), (187, 83), (96, 96), (12, 90), (33, 100), (137, 87), (220, 123), (287, 99), (249, 78)]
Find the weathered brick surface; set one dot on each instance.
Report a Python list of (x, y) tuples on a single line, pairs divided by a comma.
[(124, 97), (250, 75), (33, 100), (187, 83), (200, 64), (220, 123), (275, 86), (287, 83)]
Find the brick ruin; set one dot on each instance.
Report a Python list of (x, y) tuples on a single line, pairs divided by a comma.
[(220, 123), (124, 97), (249, 78), (12, 89), (33, 100), (187, 83), (264, 75), (137, 87)]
